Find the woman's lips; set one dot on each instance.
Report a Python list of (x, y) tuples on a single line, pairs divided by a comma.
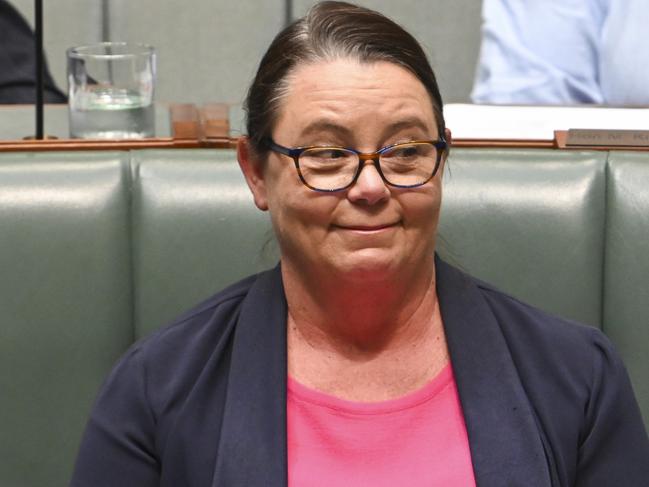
[(366, 228)]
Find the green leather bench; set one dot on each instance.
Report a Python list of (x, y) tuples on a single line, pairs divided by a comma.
[(97, 249)]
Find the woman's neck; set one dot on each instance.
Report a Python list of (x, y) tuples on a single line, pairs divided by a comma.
[(366, 342), (359, 313)]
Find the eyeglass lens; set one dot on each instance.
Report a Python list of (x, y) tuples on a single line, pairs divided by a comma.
[(331, 168)]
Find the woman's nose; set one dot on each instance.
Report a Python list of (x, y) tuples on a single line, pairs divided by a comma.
[(369, 187)]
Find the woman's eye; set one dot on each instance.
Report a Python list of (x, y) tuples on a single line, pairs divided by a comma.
[(328, 153), (337, 154), (405, 152)]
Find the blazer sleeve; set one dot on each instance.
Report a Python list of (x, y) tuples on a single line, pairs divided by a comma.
[(118, 446), (614, 448)]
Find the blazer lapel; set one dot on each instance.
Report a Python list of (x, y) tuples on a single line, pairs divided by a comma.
[(506, 447), (252, 449)]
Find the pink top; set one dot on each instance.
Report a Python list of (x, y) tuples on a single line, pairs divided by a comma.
[(416, 440)]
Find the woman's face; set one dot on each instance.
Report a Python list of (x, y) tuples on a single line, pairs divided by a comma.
[(369, 230)]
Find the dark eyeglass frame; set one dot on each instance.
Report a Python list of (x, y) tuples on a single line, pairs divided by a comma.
[(440, 144)]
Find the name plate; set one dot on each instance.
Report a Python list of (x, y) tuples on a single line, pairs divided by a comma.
[(607, 138)]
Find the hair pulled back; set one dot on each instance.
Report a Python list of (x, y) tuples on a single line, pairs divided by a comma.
[(332, 30)]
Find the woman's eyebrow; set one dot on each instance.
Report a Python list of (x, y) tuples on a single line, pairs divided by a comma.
[(406, 124), (318, 127)]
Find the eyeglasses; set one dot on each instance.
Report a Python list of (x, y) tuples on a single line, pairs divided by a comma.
[(328, 169)]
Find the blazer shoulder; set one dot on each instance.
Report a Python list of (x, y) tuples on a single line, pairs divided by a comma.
[(181, 349), (519, 319), (556, 357), (171, 361), (211, 313), (579, 390)]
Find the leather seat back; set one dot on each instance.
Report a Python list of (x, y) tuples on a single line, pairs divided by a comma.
[(626, 266), (66, 302)]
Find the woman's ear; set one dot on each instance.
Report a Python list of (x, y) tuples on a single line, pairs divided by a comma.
[(448, 137), (253, 170), (449, 141)]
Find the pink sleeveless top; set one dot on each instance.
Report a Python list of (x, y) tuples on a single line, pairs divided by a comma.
[(416, 440)]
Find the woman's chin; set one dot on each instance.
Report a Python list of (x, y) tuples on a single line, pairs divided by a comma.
[(369, 265)]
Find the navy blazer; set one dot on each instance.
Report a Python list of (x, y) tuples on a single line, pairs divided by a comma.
[(202, 402)]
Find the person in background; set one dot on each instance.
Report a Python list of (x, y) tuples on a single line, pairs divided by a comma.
[(362, 359), (18, 62), (564, 52)]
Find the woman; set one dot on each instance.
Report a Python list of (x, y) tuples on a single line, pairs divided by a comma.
[(362, 359)]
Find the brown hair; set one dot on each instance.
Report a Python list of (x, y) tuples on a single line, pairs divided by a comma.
[(332, 30)]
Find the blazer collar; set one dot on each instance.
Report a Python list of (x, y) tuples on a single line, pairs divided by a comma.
[(252, 449), (506, 448)]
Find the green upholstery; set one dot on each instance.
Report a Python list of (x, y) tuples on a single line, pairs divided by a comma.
[(97, 249), (195, 230), (530, 222), (626, 283), (65, 299)]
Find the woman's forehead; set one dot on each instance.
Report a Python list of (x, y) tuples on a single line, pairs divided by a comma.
[(346, 93), (350, 80)]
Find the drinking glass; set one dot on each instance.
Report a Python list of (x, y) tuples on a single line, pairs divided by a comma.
[(110, 91)]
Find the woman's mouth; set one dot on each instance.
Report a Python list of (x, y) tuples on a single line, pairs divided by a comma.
[(367, 228)]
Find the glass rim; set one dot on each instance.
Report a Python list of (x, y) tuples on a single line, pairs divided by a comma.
[(94, 51), (385, 150)]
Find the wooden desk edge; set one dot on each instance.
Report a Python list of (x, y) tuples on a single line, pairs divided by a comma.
[(95, 145), (231, 143)]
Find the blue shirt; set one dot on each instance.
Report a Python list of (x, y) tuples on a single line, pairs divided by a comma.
[(564, 52)]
